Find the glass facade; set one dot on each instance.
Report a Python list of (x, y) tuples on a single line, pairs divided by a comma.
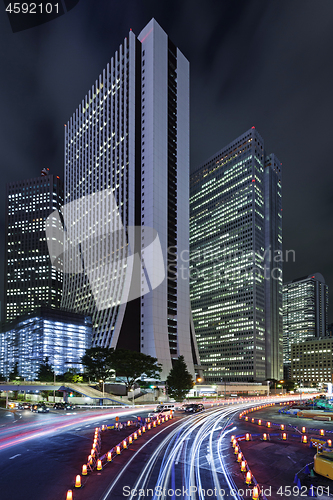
[(130, 137), (305, 309), (61, 336), (30, 280), (232, 261)]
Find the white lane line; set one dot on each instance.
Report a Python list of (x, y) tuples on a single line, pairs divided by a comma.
[(11, 458)]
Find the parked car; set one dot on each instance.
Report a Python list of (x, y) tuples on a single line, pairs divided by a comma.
[(40, 408)]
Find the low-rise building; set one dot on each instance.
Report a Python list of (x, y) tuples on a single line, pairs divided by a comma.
[(58, 335)]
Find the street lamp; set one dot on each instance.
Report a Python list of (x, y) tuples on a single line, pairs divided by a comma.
[(133, 394), (103, 388)]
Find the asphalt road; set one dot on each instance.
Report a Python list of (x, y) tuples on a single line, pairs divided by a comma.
[(40, 454), (185, 460)]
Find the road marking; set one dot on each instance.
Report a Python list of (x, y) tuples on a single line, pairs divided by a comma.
[(11, 458)]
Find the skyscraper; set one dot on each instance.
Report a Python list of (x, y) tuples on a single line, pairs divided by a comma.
[(236, 256), (30, 280), (126, 166), (305, 309)]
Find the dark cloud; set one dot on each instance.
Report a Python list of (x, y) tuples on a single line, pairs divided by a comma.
[(253, 62)]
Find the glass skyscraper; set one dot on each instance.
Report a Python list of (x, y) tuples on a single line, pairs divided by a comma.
[(129, 140), (305, 310), (30, 280), (236, 262)]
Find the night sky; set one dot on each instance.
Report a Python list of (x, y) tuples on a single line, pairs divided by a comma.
[(267, 64)]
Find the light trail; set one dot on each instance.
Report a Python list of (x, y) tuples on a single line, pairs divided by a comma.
[(25, 432), (189, 461)]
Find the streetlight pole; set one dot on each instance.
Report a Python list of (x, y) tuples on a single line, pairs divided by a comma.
[(54, 382)]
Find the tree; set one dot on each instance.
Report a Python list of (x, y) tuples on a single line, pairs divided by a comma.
[(97, 363), (131, 365), (72, 375), (15, 373), (179, 381), (45, 372)]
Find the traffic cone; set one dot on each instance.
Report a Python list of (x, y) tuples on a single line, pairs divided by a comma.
[(84, 470), (307, 470), (109, 456), (99, 465), (255, 493), (311, 492), (78, 481), (248, 477), (69, 495)]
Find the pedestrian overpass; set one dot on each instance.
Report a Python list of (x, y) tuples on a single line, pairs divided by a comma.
[(84, 389)]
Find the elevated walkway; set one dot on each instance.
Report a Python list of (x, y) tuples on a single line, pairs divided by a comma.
[(90, 392), (83, 389)]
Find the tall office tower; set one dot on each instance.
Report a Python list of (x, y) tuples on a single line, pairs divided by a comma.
[(273, 267), (305, 310), (235, 239), (30, 280), (126, 166)]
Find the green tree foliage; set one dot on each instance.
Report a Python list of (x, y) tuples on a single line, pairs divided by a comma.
[(131, 365), (179, 380), (72, 375), (97, 363), (45, 372)]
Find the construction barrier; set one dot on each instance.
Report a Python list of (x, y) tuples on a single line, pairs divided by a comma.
[(95, 461)]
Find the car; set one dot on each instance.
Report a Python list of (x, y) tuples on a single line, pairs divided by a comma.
[(166, 406), (24, 406), (69, 406), (12, 405), (63, 406), (194, 408), (58, 406), (40, 408), (160, 413)]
